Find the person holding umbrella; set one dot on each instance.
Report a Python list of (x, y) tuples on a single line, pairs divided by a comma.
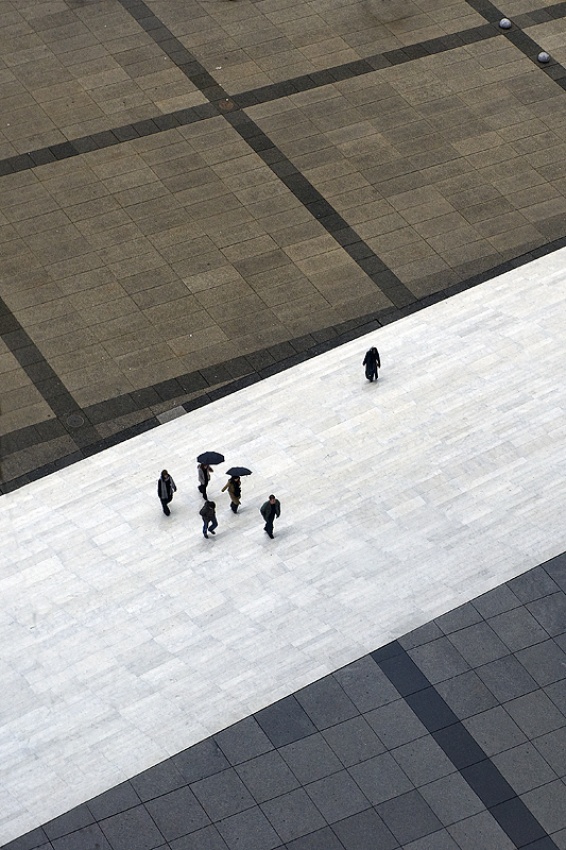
[(234, 485), (269, 510), (372, 363), (205, 469)]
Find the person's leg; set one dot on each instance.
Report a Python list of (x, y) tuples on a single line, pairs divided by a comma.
[(269, 527), (213, 525), (234, 507), (205, 528), (165, 506)]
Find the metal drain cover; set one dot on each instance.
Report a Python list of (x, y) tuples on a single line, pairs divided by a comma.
[(75, 420)]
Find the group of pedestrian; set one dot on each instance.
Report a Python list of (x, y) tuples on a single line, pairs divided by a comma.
[(269, 510)]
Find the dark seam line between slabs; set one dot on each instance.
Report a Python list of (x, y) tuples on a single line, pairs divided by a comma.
[(276, 359), (521, 40), (43, 378), (305, 82), (497, 795), (321, 210)]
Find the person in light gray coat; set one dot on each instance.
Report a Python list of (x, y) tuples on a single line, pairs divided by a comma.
[(204, 471)]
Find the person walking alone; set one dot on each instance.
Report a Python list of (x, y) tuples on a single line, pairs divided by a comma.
[(209, 521), (234, 488), (165, 489), (372, 363), (269, 510), (204, 471)]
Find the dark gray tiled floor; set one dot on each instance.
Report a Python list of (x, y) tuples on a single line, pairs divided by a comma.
[(465, 760)]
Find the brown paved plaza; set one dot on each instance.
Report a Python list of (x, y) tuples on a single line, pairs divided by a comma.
[(194, 195)]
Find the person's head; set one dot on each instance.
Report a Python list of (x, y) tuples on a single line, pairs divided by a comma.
[(165, 475), (211, 504), (236, 478), (272, 499), (374, 350)]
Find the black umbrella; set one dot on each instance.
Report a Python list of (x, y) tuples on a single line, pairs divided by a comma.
[(237, 471), (211, 458)]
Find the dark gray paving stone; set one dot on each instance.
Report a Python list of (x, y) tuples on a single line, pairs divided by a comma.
[(496, 601), (506, 678), (112, 802), (557, 693), (285, 721), (451, 799), (326, 703), (203, 839), (423, 761), (249, 830), (439, 660), (202, 760), (488, 783), (552, 748), (365, 831), (478, 644), (524, 768), (518, 822), (353, 741), (222, 795), (322, 839), (459, 746), (532, 585), (466, 694), (424, 634), (546, 662), (177, 813), (311, 759), (408, 817), (518, 629), (431, 709), (550, 612), (395, 724), (267, 776), (87, 838), (556, 569), (435, 841), (337, 796), (458, 618), (158, 780), (535, 714), (71, 821), (33, 840), (293, 815), (366, 685), (548, 805), (381, 778), (243, 741), (494, 730), (559, 839), (480, 832), (133, 828)]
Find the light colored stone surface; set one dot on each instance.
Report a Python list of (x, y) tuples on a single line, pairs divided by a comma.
[(127, 637)]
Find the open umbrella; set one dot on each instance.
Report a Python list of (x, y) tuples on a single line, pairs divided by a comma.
[(211, 458), (238, 471)]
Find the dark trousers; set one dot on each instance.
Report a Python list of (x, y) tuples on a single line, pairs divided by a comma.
[(165, 505), (202, 489), (206, 527), (269, 525), (234, 506)]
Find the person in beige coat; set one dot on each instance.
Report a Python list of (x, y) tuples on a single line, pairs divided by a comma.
[(234, 491)]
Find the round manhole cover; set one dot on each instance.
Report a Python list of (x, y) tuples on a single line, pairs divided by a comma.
[(75, 420), (226, 105)]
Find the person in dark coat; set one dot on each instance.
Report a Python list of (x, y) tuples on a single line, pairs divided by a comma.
[(234, 488), (209, 521), (269, 510), (372, 363), (204, 471), (165, 489)]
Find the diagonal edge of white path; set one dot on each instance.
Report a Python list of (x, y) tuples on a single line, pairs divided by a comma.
[(127, 637)]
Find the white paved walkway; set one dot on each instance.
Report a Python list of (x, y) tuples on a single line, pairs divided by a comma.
[(125, 636)]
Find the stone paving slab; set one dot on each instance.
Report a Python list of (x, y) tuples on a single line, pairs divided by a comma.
[(127, 640)]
